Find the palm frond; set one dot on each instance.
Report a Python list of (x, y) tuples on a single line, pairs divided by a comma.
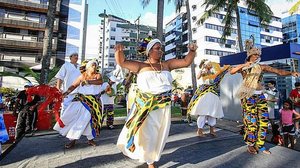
[(214, 5), (294, 8), (14, 75), (145, 3), (178, 4), (228, 21), (262, 10), (30, 72), (53, 72)]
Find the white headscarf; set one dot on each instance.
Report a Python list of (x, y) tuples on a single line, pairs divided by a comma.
[(90, 63), (151, 44)]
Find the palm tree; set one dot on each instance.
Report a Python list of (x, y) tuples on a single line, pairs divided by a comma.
[(160, 17), (178, 6), (47, 48), (263, 11), (30, 73), (294, 8), (176, 86)]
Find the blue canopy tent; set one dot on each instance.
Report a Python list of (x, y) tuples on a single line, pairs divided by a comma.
[(283, 51)]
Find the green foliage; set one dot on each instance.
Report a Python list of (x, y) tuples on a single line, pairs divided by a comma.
[(261, 9), (7, 91), (294, 8), (176, 87), (30, 73)]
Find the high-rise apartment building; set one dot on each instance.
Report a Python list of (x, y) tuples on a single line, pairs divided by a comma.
[(208, 35), (22, 26), (118, 30)]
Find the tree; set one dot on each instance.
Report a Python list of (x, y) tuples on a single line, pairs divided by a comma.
[(36, 75), (47, 47), (294, 8), (178, 5), (176, 86), (160, 17), (263, 11)]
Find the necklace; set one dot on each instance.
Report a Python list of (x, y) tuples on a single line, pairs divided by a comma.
[(155, 69)]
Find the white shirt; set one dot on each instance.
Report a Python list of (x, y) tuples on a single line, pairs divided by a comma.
[(104, 97), (68, 73)]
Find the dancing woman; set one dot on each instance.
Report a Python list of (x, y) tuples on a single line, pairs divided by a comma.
[(206, 102), (254, 104), (84, 115), (145, 133)]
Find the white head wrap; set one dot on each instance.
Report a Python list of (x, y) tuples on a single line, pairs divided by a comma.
[(28, 84), (90, 63), (151, 44)]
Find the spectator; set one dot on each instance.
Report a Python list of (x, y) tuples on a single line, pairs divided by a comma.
[(295, 98), (272, 96), (287, 123), (27, 112), (3, 133)]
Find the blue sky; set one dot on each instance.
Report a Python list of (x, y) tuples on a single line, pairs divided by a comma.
[(127, 9)]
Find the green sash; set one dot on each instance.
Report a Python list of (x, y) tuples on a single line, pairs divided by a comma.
[(145, 103)]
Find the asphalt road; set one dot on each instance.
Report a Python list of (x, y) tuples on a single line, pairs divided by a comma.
[(183, 149)]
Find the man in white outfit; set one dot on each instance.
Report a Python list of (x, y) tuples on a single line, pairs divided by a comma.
[(67, 74)]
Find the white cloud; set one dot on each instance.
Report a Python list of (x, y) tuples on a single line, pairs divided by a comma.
[(150, 19), (92, 41), (279, 7)]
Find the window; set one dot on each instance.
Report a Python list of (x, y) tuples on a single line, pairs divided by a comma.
[(194, 30), (194, 7), (112, 46), (194, 18), (111, 64), (113, 29), (112, 37)]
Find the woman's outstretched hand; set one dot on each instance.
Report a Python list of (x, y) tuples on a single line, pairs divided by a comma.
[(192, 47), (296, 74), (119, 47)]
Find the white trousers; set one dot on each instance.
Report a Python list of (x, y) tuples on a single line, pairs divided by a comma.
[(211, 121), (66, 102)]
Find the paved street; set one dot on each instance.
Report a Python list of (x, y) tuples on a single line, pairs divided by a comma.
[(183, 149)]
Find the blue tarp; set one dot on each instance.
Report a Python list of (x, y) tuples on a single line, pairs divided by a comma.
[(282, 51)]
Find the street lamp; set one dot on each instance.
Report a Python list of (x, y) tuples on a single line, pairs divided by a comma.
[(103, 15)]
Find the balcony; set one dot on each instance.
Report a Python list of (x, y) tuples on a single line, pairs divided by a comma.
[(28, 5), (12, 40), (22, 21)]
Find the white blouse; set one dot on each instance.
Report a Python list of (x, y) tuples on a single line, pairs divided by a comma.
[(154, 82)]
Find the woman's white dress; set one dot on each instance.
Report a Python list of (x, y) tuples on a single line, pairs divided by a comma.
[(76, 117), (152, 135), (208, 105)]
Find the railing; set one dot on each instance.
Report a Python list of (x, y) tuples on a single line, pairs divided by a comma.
[(30, 3), (14, 39), (26, 21)]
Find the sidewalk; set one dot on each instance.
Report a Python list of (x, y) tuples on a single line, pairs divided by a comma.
[(183, 149)]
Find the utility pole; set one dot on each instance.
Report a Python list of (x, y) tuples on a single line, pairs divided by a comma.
[(138, 32), (103, 15)]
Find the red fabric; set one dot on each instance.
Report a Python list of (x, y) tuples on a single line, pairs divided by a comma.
[(52, 95), (295, 94)]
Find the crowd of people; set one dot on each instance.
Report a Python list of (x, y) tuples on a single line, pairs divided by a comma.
[(88, 100)]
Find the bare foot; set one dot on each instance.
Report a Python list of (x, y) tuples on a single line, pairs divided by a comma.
[(200, 132), (92, 143), (212, 132), (70, 145), (266, 152), (151, 165)]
